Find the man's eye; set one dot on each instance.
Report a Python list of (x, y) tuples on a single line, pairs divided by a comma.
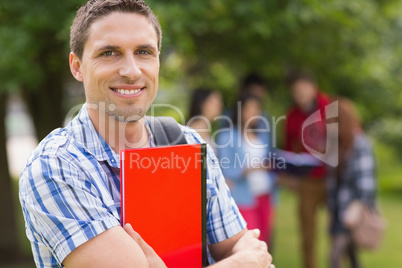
[(143, 52), (109, 53)]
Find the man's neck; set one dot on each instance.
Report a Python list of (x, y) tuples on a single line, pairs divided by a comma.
[(117, 134)]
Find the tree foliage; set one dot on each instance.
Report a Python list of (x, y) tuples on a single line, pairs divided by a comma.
[(351, 46), (33, 41), (34, 38)]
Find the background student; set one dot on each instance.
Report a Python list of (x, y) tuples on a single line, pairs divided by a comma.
[(311, 188), (353, 179), (243, 150)]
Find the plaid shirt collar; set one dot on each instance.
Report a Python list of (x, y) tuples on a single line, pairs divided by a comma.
[(94, 143)]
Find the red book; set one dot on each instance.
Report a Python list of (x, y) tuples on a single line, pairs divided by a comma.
[(163, 196)]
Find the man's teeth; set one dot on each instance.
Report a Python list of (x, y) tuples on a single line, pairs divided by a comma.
[(128, 92)]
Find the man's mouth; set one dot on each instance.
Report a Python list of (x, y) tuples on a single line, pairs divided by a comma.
[(127, 91)]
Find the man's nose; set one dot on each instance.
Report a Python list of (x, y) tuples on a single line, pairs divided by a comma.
[(130, 68)]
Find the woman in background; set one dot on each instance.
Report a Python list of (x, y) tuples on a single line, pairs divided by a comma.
[(244, 151), (353, 179), (205, 105)]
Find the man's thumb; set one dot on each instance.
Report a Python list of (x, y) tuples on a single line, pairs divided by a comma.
[(256, 233)]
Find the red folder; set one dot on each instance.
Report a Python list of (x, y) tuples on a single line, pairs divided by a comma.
[(163, 196)]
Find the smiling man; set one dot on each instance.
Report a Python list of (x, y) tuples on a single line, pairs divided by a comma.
[(70, 187)]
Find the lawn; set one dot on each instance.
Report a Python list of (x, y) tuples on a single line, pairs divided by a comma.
[(287, 253)]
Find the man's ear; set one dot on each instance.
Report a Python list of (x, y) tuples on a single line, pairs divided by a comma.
[(75, 66)]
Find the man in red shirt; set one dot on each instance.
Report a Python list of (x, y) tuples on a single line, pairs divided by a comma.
[(311, 188)]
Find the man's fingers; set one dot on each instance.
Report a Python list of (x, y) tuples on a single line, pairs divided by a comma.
[(153, 259), (255, 233), (137, 238), (129, 229), (264, 246)]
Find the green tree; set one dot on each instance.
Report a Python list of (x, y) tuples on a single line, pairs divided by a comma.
[(9, 249), (352, 46), (35, 37), (34, 42)]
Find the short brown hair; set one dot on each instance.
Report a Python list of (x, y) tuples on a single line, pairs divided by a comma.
[(95, 9)]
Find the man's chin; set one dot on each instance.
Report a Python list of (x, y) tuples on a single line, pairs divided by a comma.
[(128, 117)]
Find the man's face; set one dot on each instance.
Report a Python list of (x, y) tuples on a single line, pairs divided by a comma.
[(304, 94), (120, 65)]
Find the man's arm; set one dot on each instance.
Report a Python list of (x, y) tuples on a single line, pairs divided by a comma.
[(242, 250), (118, 247), (112, 248), (222, 250)]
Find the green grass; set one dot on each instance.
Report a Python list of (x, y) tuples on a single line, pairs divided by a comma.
[(288, 252), (389, 167), (287, 248), (389, 255)]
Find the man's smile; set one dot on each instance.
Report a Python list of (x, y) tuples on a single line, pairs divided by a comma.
[(131, 91)]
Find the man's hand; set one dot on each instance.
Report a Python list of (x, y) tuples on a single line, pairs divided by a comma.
[(242, 250), (251, 252), (154, 260)]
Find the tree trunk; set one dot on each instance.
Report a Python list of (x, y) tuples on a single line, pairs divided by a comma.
[(45, 102), (9, 248), (45, 108)]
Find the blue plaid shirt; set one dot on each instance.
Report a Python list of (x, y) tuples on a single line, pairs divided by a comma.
[(70, 192)]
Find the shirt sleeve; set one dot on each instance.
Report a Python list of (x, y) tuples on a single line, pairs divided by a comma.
[(223, 217), (63, 207)]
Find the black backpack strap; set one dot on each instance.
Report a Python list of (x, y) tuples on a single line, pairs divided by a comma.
[(166, 130)]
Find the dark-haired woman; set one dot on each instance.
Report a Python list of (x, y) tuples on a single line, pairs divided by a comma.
[(205, 105), (353, 179), (243, 151)]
